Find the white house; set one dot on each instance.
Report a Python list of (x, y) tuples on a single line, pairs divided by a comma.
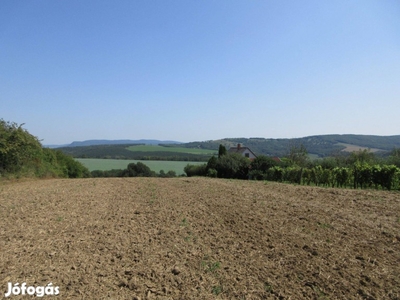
[(244, 151)]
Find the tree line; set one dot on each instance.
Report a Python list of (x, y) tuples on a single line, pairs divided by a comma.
[(22, 155), (138, 169), (360, 169), (120, 151)]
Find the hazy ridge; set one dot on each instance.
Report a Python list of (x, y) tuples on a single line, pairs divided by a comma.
[(318, 145), (113, 142)]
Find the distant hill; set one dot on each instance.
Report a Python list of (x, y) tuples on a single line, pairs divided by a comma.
[(318, 145), (114, 142)]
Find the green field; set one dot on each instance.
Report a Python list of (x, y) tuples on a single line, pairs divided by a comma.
[(156, 148), (154, 165)]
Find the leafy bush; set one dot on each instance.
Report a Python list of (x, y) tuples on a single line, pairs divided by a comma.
[(262, 163), (341, 176), (233, 165), (212, 173), (22, 155), (195, 170), (169, 174), (275, 174), (18, 148), (293, 174), (138, 170)]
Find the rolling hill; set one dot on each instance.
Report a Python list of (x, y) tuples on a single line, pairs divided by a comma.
[(113, 142), (317, 146)]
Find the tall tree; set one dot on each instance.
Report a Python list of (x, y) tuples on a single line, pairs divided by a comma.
[(362, 156), (221, 151), (298, 154)]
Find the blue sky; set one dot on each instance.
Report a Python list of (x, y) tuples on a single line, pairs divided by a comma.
[(200, 70)]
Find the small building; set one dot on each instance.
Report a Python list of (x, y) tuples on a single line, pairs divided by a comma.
[(244, 151)]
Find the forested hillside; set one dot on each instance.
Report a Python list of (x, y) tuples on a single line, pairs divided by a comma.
[(319, 145), (119, 142)]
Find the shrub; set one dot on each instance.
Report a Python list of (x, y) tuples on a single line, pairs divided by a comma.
[(170, 174), (22, 155), (212, 173), (233, 165), (275, 174), (138, 170), (195, 170)]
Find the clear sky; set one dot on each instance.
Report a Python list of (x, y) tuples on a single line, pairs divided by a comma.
[(199, 70)]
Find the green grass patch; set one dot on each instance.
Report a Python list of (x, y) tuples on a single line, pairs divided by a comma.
[(184, 222), (155, 165), (268, 287), (216, 290), (210, 266), (324, 225)]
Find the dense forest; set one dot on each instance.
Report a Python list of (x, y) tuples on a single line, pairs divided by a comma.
[(22, 155)]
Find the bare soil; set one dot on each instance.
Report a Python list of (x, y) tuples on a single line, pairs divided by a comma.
[(199, 238)]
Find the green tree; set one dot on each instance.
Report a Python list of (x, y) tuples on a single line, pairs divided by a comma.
[(394, 158), (298, 155), (171, 173), (259, 167), (212, 162), (139, 170), (275, 174), (263, 163), (329, 163), (18, 148), (212, 173), (221, 151), (70, 167), (233, 165), (195, 170), (21, 154), (362, 156), (293, 174)]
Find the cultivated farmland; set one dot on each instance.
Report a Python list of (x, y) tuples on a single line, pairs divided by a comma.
[(199, 238)]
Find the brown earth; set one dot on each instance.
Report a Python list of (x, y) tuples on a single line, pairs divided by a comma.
[(199, 238)]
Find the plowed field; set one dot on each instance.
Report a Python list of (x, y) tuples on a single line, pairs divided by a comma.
[(199, 238)]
